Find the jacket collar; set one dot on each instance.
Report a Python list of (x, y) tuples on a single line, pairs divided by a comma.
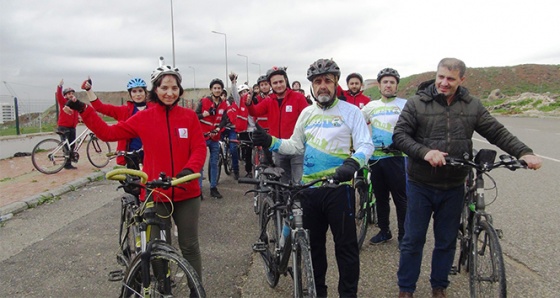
[(428, 92)]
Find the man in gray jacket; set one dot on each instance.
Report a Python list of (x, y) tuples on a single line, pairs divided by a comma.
[(439, 121)]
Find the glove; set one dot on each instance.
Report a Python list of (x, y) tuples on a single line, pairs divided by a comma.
[(84, 84), (76, 105), (184, 172), (346, 171), (261, 137)]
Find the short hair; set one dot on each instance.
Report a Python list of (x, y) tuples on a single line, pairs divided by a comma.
[(453, 64)]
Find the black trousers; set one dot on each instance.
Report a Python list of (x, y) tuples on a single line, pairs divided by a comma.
[(68, 133), (335, 208)]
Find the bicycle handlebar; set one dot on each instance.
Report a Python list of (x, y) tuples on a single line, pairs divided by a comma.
[(124, 153), (506, 161), (327, 180), (163, 181)]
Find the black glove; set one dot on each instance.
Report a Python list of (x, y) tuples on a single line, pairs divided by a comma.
[(346, 171), (76, 105), (184, 172), (261, 137)]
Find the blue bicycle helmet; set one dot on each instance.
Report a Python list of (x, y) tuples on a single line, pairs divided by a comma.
[(135, 83)]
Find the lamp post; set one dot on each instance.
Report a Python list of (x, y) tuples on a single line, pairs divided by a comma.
[(246, 65), (225, 39), (194, 77), (259, 67), (172, 34)]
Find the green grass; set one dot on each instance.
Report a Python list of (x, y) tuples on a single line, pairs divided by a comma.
[(551, 107)]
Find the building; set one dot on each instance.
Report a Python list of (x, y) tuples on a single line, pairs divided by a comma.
[(8, 112)]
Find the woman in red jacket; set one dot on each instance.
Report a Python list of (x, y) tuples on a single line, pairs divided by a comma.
[(137, 91), (173, 144)]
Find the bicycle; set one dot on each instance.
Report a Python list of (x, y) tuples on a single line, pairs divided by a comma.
[(155, 268), (133, 158), (365, 203), (258, 161), (227, 158), (282, 234), (480, 249), (50, 155)]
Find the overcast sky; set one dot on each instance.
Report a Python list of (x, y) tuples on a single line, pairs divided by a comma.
[(114, 40)]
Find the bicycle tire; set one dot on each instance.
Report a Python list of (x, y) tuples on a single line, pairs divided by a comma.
[(304, 280), (228, 163), (97, 152), (270, 238), (372, 214), (49, 156), (487, 273), (184, 277), (129, 234), (362, 214)]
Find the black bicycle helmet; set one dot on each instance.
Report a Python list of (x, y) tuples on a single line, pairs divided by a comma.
[(388, 72), (216, 81), (262, 79), (355, 75), (276, 70), (68, 90), (323, 66)]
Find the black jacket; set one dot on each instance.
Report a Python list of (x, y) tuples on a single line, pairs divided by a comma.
[(427, 123)]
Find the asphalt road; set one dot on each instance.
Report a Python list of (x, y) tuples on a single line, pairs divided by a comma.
[(66, 248)]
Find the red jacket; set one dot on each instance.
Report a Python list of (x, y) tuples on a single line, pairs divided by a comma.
[(242, 119), (119, 113), (359, 100), (172, 141), (63, 118), (281, 118), (211, 122)]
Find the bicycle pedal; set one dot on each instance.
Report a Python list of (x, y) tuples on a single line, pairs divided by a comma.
[(259, 247), (500, 233), (453, 270), (116, 275)]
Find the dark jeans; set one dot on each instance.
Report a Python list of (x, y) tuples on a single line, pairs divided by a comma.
[(335, 208), (247, 151), (214, 147), (68, 133), (388, 176), (446, 206)]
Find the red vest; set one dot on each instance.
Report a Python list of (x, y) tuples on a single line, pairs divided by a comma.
[(212, 122)]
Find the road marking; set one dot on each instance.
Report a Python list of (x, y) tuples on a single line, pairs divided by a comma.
[(542, 156)]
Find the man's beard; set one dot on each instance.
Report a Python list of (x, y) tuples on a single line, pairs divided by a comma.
[(324, 98)]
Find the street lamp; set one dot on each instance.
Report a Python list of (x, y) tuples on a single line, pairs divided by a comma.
[(259, 67), (194, 77), (172, 34), (225, 39), (246, 65)]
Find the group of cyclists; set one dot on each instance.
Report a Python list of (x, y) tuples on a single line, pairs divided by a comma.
[(336, 135)]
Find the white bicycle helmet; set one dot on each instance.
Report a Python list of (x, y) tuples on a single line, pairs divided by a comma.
[(165, 70), (242, 87)]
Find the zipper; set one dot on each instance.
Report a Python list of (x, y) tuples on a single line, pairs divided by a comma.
[(170, 149)]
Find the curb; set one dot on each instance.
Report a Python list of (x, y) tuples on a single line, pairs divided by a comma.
[(8, 211)]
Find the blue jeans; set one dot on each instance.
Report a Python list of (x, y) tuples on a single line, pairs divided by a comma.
[(232, 135), (446, 206), (214, 155)]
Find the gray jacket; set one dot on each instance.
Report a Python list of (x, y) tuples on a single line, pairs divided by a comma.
[(427, 123)]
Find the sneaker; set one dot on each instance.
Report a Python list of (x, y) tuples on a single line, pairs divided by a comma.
[(405, 295), (215, 193), (381, 238), (249, 175), (438, 293), (70, 167)]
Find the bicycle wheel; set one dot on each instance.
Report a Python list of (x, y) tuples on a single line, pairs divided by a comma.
[(269, 240), (304, 280), (170, 275), (372, 214), (49, 156), (228, 163), (362, 213), (129, 233), (487, 272), (97, 151)]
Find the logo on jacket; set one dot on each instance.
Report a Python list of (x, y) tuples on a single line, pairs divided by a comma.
[(183, 133), (288, 108)]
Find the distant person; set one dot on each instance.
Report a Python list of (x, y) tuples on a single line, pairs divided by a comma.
[(282, 108), (67, 121), (137, 92), (296, 85), (354, 94), (244, 124), (173, 144), (231, 132), (440, 121), (388, 174), (210, 111)]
